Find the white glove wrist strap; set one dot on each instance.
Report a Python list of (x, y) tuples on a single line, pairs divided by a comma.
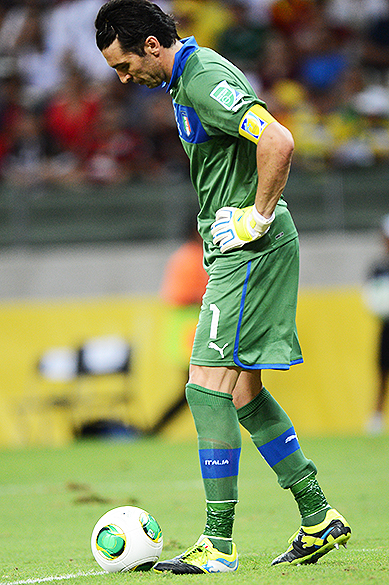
[(260, 220)]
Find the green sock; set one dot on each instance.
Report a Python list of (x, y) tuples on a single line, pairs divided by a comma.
[(311, 501), (274, 436), (219, 442), (219, 524)]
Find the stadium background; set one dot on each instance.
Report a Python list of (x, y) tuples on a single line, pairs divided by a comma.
[(94, 194)]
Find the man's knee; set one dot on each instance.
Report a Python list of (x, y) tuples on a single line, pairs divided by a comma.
[(220, 379), (247, 387)]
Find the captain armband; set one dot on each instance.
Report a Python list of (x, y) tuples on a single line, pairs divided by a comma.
[(254, 122)]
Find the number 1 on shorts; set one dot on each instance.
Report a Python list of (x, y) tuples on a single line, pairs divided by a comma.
[(215, 320)]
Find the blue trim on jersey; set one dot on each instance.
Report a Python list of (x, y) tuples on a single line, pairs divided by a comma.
[(189, 125), (219, 463), (279, 448), (236, 345), (180, 59)]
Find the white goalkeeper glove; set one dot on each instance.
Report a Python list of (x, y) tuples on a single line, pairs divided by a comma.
[(234, 227)]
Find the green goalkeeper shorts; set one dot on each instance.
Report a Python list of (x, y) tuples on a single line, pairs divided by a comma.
[(248, 314)]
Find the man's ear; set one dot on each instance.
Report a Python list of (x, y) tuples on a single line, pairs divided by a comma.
[(153, 45)]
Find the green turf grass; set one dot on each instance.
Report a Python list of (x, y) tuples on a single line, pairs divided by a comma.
[(51, 499)]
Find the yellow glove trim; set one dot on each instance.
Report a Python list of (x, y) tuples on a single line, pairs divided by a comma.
[(247, 227), (254, 122), (240, 218)]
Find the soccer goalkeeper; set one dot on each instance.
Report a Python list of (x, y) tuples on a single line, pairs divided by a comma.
[(239, 162)]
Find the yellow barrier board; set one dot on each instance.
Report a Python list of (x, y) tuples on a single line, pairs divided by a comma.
[(48, 394), (333, 390)]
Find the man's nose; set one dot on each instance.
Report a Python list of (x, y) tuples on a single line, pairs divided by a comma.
[(124, 77)]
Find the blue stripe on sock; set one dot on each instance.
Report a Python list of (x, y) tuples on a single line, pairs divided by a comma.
[(276, 450), (218, 463)]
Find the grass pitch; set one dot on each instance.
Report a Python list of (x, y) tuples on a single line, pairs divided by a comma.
[(50, 500)]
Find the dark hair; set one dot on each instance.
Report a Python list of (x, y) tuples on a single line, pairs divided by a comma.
[(131, 22)]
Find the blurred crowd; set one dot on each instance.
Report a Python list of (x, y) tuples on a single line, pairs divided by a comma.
[(322, 66)]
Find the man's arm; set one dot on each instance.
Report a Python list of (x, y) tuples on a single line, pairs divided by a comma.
[(234, 227), (274, 157)]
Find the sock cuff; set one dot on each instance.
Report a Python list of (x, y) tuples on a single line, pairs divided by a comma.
[(255, 404), (198, 394), (215, 537), (222, 505)]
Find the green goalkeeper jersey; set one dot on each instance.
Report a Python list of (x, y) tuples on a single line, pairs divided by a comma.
[(210, 97)]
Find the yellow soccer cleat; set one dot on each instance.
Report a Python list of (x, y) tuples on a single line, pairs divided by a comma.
[(203, 557), (310, 543)]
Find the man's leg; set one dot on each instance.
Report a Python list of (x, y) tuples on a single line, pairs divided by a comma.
[(376, 423), (273, 434), (209, 395)]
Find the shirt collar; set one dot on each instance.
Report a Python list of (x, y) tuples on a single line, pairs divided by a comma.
[(189, 46)]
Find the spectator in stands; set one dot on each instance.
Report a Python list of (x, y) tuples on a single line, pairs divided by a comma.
[(34, 158), (39, 35), (278, 62), (72, 113), (242, 42), (375, 54), (69, 32), (183, 287), (117, 153), (169, 160), (204, 19), (376, 293), (322, 59), (18, 26), (259, 11), (289, 16), (185, 278), (354, 14), (23, 41), (11, 99), (310, 43), (317, 48)]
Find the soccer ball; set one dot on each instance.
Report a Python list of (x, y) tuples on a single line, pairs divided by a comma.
[(126, 539)]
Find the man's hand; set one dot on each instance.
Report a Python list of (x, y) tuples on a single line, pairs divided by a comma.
[(234, 227)]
